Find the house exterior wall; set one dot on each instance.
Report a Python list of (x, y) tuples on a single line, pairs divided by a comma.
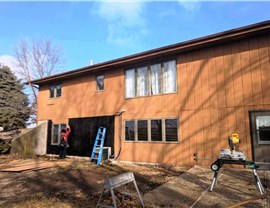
[(216, 88)]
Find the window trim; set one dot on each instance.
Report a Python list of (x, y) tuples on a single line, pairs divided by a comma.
[(59, 132), (149, 130), (148, 66), (258, 131)]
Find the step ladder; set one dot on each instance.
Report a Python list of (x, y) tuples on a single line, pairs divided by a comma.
[(98, 146)]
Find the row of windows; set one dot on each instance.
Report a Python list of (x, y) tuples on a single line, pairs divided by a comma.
[(155, 130), (154, 79), (56, 90)]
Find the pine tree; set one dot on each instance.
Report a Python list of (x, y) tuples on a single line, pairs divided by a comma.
[(14, 110)]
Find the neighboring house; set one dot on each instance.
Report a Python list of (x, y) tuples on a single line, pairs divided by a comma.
[(164, 105)]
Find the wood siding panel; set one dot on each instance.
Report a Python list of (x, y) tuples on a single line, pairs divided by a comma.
[(208, 146), (197, 79), (220, 77), (204, 78), (255, 71), (182, 77), (212, 78), (215, 136), (185, 140), (189, 102), (237, 75), (246, 75), (228, 75), (264, 54)]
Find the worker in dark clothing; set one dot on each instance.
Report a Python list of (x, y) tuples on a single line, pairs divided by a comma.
[(64, 142)]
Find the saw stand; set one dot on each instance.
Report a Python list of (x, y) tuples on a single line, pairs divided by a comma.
[(217, 165)]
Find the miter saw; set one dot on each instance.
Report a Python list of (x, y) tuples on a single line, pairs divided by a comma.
[(232, 153), (234, 157)]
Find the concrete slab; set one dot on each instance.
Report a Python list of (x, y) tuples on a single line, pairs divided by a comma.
[(191, 189)]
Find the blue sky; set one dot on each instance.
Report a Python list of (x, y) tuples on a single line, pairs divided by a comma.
[(105, 30)]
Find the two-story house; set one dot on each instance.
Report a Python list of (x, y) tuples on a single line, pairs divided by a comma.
[(167, 104)]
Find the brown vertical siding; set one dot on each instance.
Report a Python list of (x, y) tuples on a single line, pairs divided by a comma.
[(217, 86)]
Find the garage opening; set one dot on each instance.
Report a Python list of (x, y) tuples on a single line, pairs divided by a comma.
[(82, 137)]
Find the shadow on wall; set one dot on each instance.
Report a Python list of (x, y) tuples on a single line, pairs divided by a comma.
[(32, 142)]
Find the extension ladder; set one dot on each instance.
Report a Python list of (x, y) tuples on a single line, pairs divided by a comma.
[(98, 146)]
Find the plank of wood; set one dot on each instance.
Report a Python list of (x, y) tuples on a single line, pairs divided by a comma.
[(34, 166), (246, 201)]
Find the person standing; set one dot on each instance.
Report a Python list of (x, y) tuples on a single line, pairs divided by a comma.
[(64, 142)]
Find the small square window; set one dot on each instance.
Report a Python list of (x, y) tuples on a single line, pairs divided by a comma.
[(100, 83), (142, 130), (55, 91), (130, 131), (171, 133)]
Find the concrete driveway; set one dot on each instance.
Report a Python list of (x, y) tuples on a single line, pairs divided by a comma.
[(191, 189)]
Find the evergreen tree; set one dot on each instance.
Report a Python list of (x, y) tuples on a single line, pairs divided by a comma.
[(14, 110)]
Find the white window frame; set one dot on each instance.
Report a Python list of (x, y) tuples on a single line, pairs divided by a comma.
[(59, 132), (258, 131), (149, 84)]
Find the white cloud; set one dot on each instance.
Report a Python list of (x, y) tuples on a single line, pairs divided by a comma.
[(11, 62), (126, 25), (190, 5)]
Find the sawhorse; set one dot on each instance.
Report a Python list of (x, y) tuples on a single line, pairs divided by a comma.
[(217, 165), (116, 182)]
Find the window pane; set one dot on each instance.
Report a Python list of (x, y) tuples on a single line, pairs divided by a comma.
[(156, 130), (169, 76), (100, 82), (55, 134), (142, 81), (142, 131), (63, 126), (171, 130), (155, 79), (130, 83), (263, 128), (51, 89), (130, 131), (58, 90)]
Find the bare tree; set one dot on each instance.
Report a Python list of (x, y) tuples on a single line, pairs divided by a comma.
[(37, 59)]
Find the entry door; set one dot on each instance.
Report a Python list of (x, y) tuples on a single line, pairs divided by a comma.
[(260, 135)]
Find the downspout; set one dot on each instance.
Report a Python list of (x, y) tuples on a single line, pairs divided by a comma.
[(120, 133)]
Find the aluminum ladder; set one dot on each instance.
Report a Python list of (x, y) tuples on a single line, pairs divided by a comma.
[(96, 155)]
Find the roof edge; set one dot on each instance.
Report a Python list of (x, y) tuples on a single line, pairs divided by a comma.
[(165, 49)]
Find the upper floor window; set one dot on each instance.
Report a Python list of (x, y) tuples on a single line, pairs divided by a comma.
[(55, 91), (100, 83), (159, 78)]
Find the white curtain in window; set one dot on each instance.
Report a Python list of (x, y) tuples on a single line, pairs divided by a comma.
[(130, 83), (169, 76), (155, 79), (142, 81)]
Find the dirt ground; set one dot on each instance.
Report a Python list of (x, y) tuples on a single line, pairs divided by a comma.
[(77, 183)]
